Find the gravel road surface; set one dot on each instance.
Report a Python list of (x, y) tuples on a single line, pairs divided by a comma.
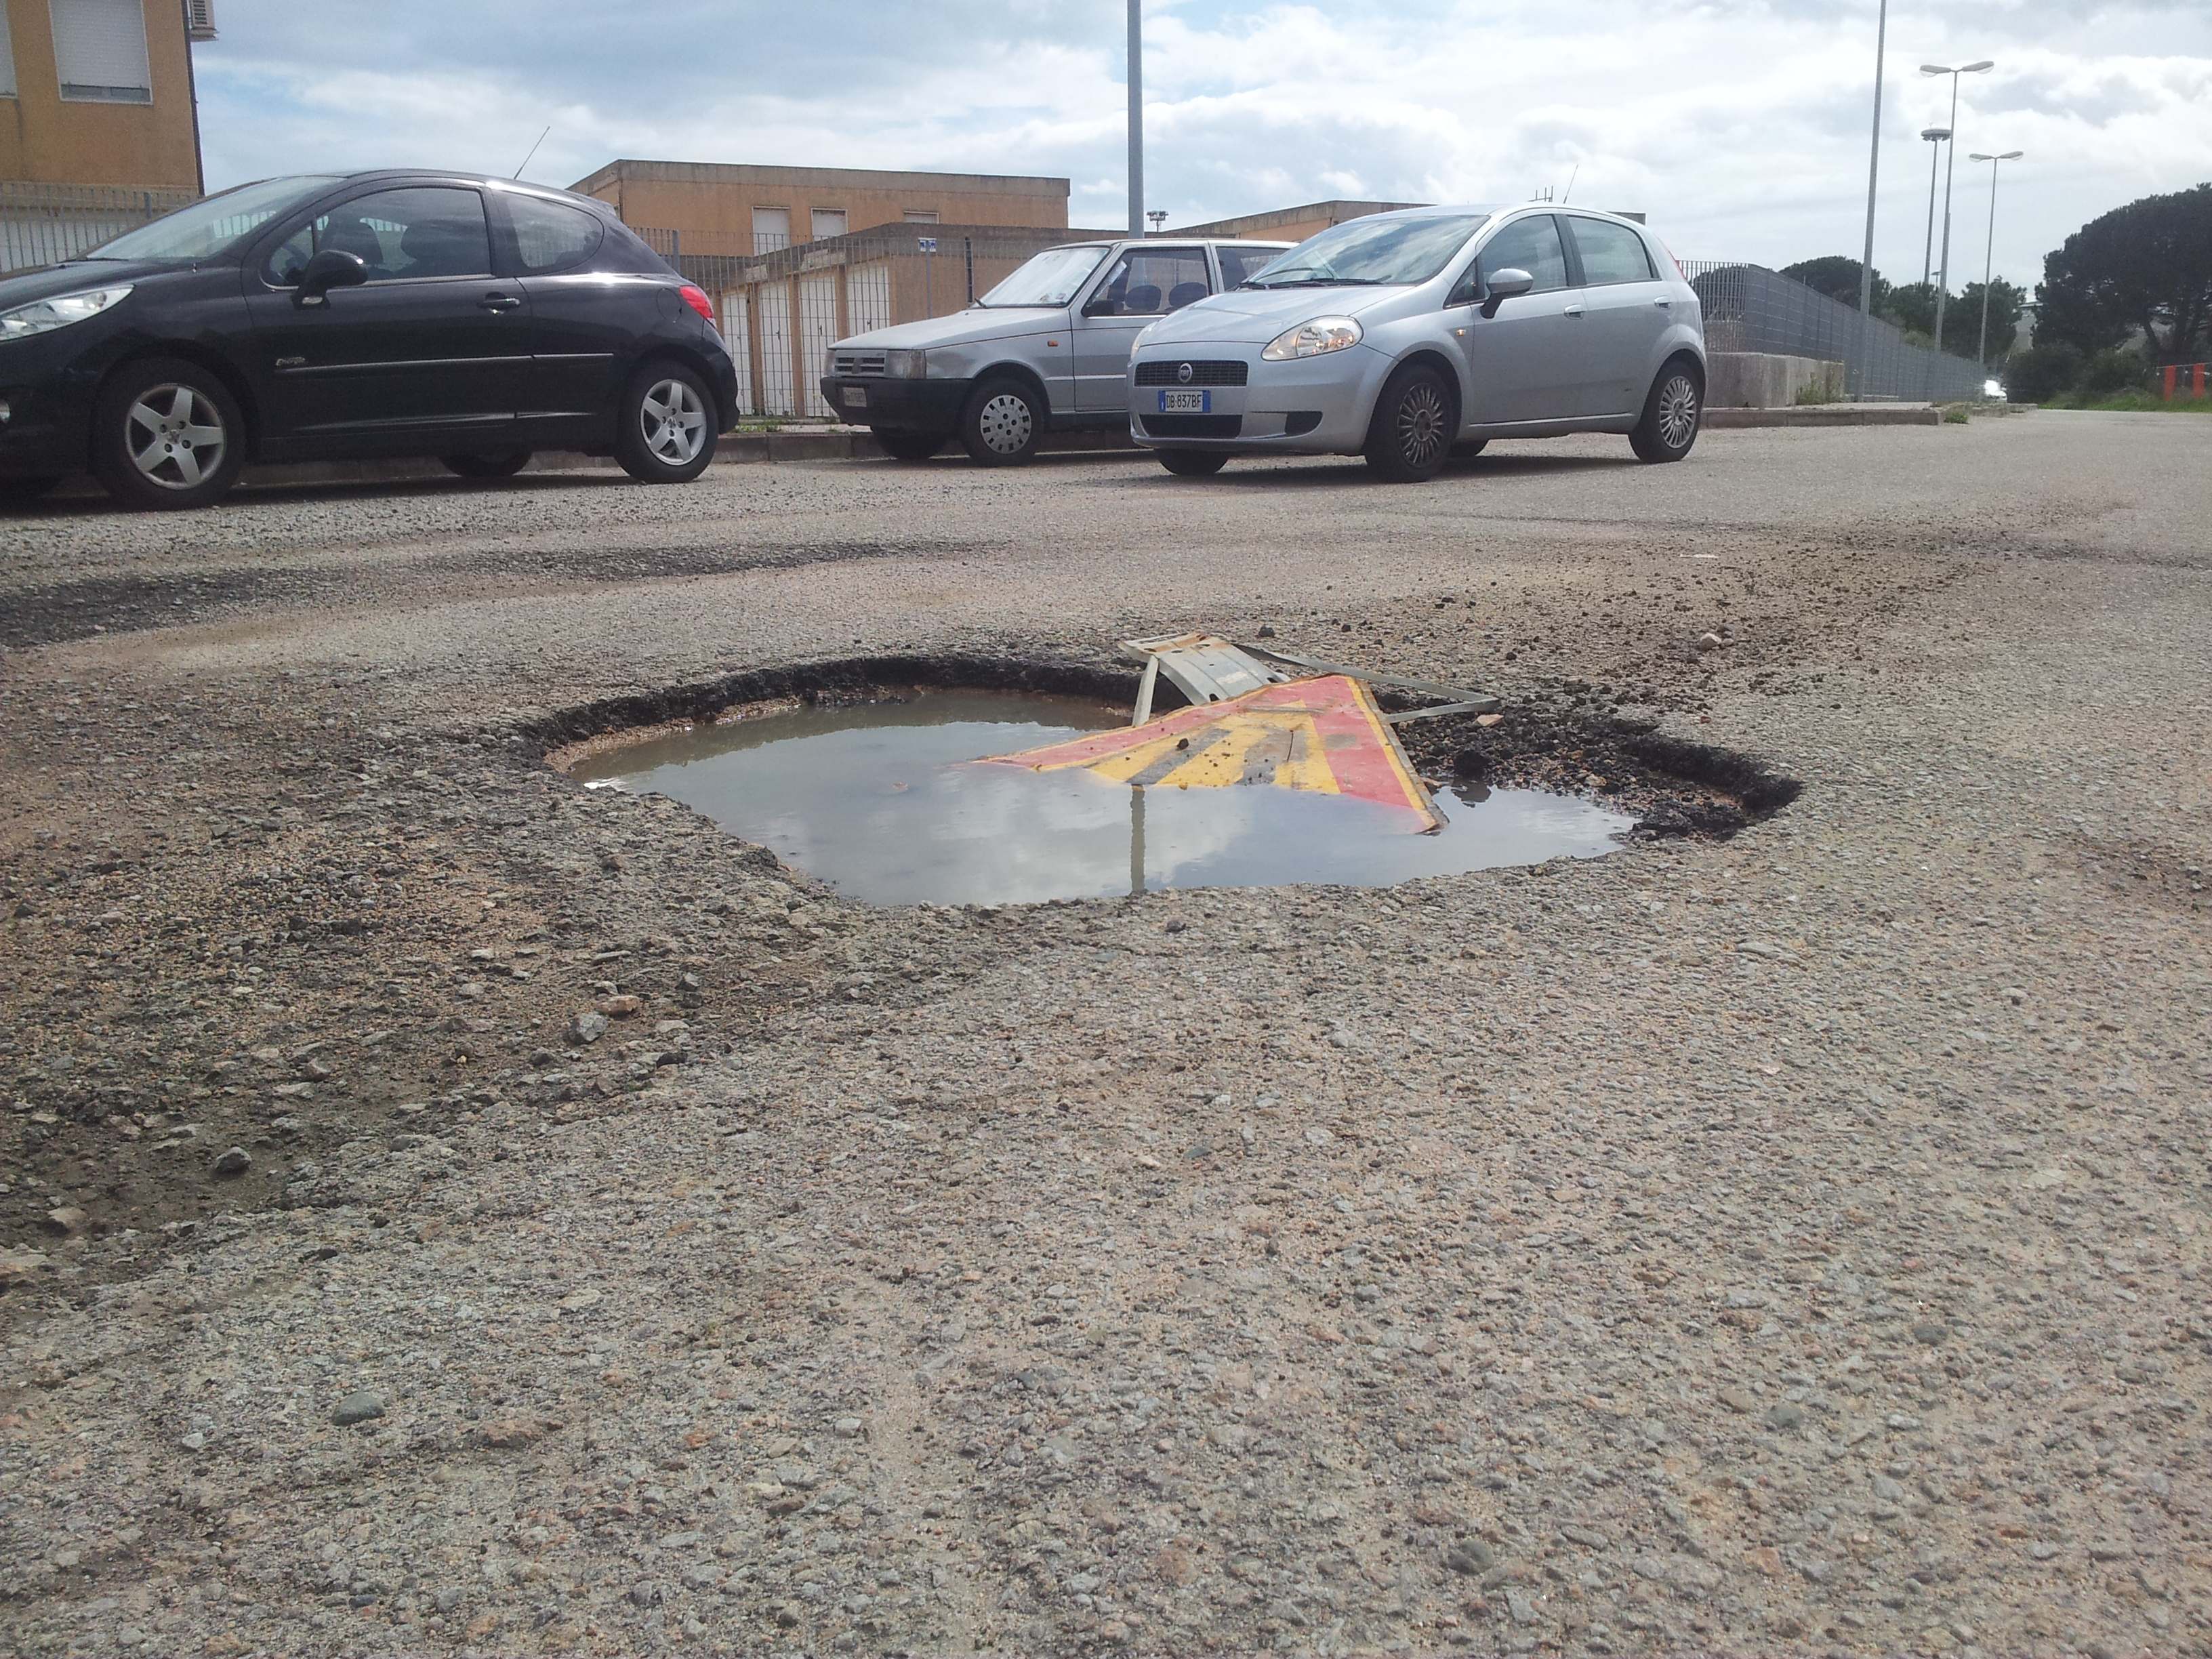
[(447, 1210)]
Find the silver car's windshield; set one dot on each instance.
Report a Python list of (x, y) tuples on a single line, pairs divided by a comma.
[(208, 227), (1372, 253), (1050, 278)]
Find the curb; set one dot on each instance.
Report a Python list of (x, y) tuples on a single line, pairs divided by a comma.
[(1722, 419)]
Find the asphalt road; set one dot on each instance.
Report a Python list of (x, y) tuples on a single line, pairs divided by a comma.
[(1794, 1243)]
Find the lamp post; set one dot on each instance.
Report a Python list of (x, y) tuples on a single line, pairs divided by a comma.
[(1935, 135), (1943, 281), (1873, 168), (1989, 253), (1136, 118)]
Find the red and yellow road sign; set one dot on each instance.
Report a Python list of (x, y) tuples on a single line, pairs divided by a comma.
[(1324, 734)]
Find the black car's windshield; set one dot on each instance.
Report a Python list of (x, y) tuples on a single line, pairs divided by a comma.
[(1372, 253), (1050, 278), (208, 227)]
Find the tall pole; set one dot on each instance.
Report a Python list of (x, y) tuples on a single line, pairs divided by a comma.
[(1874, 164), (1935, 135), (1951, 162), (1989, 252), (1137, 117)]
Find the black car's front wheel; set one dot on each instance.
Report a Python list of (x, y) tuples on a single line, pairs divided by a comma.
[(667, 425), (1413, 426), (488, 464), (166, 435)]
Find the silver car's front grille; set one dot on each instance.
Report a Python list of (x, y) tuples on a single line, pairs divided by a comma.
[(856, 362), (1201, 372)]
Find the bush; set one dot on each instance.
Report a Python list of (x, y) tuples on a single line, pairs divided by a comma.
[(2038, 374), (2109, 372)]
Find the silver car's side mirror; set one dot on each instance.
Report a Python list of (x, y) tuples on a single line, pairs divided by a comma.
[(1509, 284)]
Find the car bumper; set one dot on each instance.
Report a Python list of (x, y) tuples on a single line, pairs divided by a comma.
[(1312, 406), (919, 405), (47, 384)]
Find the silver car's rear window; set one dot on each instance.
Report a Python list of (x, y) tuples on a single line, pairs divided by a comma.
[(1373, 251)]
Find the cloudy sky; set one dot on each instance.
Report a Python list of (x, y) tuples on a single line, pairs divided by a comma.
[(1741, 126)]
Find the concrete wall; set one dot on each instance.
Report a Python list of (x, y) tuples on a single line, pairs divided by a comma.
[(711, 203), (1764, 380), (46, 139)]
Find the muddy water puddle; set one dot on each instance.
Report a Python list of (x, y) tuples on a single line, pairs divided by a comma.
[(878, 800)]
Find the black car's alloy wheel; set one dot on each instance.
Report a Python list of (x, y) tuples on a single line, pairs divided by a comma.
[(490, 464), (1671, 416), (667, 425), (166, 435), (1413, 426)]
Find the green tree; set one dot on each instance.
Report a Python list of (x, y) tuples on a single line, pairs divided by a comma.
[(2146, 266), (1962, 321), (1838, 276), (1912, 308)]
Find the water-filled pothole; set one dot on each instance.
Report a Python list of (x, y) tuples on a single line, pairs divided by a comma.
[(877, 799)]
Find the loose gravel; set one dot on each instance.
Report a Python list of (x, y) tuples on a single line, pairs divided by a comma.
[(450, 1210)]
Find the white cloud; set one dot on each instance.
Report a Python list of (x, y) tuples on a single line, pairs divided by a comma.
[(1740, 125)]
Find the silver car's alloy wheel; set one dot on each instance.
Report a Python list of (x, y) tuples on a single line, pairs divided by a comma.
[(1422, 423), (673, 422), (175, 436), (1006, 423), (1678, 412)]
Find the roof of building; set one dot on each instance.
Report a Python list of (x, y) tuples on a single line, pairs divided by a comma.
[(1251, 224), (733, 172)]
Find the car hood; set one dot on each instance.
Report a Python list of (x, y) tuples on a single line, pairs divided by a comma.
[(962, 328), (1259, 315), (21, 288)]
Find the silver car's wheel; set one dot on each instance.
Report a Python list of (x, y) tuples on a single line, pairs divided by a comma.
[(1669, 425), (1413, 425), (672, 420), (175, 437), (1003, 422), (1424, 423)]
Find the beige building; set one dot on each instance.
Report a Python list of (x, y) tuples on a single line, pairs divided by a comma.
[(1291, 224), (710, 208), (99, 124)]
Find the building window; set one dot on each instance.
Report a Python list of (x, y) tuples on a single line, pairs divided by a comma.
[(99, 51), (771, 229), (921, 216), (829, 222)]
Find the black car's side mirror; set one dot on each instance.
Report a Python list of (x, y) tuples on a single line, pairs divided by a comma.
[(1509, 284), (331, 268)]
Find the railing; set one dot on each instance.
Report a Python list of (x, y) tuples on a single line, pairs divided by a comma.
[(44, 224), (1750, 308)]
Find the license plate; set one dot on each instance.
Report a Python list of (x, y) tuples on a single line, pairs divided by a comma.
[(1186, 403), (856, 397)]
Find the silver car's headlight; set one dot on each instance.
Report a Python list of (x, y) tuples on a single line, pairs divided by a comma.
[(44, 316), (1313, 338), (906, 365)]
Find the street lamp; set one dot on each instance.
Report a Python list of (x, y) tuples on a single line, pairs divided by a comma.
[(1935, 135), (1988, 254), (1943, 282)]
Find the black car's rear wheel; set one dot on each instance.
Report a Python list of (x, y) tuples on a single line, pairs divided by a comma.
[(490, 464), (904, 444), (166, 435), (666, 431), (1413, 425), (1192, 462), (21, 492)]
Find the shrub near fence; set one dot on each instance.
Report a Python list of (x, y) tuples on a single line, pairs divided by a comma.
[(1750, 308)]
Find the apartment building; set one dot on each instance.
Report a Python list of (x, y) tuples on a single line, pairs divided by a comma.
[(99, 125), (738, 210)]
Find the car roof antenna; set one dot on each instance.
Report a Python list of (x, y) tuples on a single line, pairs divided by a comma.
[(533, 149), (1563, 198)]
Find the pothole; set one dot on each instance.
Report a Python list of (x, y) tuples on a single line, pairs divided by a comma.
[(884, 800)]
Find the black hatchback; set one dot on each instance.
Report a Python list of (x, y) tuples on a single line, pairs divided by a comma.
[(405, 313)]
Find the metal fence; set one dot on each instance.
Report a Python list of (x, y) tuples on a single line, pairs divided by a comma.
[(44, 224), (1750, 308)]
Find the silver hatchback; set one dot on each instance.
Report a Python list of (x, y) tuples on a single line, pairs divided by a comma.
[(1403, 335)]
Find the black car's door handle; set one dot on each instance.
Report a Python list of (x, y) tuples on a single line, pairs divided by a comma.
[(498, 302)]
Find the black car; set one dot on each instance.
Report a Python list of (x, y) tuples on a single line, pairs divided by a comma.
[(385, 314)]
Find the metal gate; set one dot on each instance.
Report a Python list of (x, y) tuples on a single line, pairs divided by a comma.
[(776, 397), (817, 327), (868, 295)]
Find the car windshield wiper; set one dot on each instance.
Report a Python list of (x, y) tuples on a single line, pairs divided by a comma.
[(1325, 282)]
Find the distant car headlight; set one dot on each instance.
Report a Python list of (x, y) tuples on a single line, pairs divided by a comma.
[(1313, 338), (906, 365), (44, 316)]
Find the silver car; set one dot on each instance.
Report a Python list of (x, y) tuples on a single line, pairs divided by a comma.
[(1403, 335), (1047, 349)]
